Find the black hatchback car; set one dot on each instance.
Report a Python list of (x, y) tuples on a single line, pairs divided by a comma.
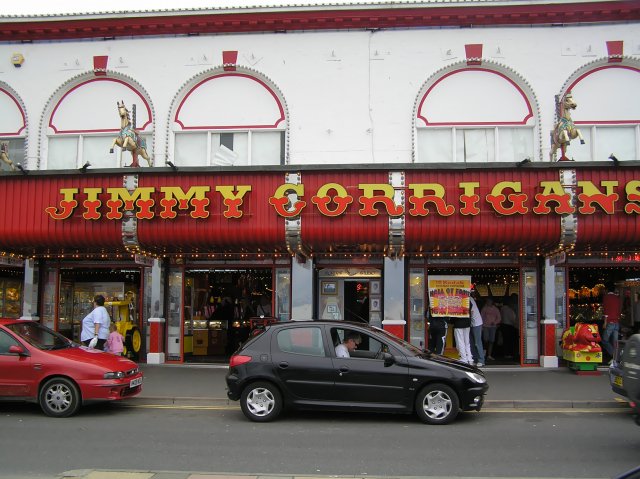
[(295, 364)]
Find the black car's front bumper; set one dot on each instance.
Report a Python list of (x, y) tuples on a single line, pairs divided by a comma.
[(472, 398)]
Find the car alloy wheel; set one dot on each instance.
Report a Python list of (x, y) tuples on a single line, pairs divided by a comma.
[(261, 402), (437, 404), (59, 397)]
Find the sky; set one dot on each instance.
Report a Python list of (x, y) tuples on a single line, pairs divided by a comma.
[(40, 7)]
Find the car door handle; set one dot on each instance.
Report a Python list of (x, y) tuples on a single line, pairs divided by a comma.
[(343, 370), (283, 365)]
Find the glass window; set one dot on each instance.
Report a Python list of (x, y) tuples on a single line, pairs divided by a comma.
[(63, 153), (6, 342), (363, 346), (229, 149), (515, 144), (191, 149), (619, 141), (15, 152), (95, 150), (283, 294), (475, 145), (267, 148), (307, 341)]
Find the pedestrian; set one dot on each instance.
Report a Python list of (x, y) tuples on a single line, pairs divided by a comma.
[(611, 312), (509, 328), (437, 333), (477, 349), (95, 325), (461, 331), (115, 341), (490, 320)]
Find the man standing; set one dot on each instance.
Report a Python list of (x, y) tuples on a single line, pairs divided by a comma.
[(491, 318), (437, 334), (477, 350), (611, 310)]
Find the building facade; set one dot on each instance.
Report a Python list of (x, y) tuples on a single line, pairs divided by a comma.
[(206, 168)]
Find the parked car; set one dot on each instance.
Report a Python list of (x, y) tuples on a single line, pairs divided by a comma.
[(40, 365), (624, 372), (294, 364)]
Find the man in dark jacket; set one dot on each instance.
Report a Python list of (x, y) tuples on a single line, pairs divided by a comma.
[(437, 333)]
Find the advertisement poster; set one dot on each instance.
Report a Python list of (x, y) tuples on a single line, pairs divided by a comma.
[(449, 295)]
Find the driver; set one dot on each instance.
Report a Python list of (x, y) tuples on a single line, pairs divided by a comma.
[(350, 343)]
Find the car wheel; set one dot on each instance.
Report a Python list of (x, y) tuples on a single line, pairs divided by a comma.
[(59, 397), (437, 404), (261, 402)]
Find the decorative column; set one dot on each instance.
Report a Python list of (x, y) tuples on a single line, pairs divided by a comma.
[(156, 321), (30, 291), (155, 355)]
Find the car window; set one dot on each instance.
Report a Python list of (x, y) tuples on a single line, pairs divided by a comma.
[(5, 342), (306, 340), (39, 336), (368, 347)]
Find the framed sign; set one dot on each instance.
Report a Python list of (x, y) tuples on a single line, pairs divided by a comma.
[(375, 304), (329, 287)]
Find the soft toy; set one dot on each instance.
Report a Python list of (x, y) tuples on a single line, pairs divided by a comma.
[(585, 338)]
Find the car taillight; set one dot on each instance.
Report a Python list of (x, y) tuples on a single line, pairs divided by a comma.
[(238, 359)]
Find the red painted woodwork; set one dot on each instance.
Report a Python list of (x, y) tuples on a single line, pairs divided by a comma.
[(315, 18)]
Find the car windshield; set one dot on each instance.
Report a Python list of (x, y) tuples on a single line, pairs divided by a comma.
[(39, 336), (415, 350)]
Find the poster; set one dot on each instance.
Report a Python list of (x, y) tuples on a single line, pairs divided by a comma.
[(449, 295)]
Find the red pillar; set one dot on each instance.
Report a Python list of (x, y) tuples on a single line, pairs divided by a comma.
[(155, 355)]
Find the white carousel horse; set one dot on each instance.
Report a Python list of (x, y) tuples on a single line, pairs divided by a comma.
[(565, 130), (4, 154), (129, 139)]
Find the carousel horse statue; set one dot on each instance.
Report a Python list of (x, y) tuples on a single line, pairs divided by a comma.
[(4, 154), (565, 130), (129, 139)]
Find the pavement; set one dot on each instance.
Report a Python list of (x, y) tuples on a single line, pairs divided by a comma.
[(510, 388)]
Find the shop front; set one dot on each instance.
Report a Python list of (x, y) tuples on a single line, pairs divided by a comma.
[(202, 254)]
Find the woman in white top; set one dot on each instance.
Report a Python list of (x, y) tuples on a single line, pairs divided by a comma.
[(96, 324)]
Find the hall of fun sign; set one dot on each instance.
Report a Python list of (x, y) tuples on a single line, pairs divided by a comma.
[(332, 200)]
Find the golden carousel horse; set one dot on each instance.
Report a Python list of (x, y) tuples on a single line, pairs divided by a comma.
[(130, 139), (4, 154), (565, 130)]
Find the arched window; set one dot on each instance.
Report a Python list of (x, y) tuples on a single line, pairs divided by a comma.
[(13, 129), (474, 114), (229, 118), (608, 111), (82, 120)]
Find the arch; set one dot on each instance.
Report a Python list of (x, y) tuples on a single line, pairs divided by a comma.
[(599, 103), (87, 105), (474, 96), (256, 103), (242, 100), (13, 121), (486, 95)]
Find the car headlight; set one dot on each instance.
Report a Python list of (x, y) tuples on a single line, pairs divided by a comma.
[(114, 375), (479, 378)]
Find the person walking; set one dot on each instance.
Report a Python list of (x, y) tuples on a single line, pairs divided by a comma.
[(475, 337), (509, 328), (95, 325), (490, 320), (115, 341), (611, 310)]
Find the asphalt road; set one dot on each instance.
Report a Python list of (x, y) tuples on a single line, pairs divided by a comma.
[(576, 444)]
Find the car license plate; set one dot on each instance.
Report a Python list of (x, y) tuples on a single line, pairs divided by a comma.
[(135, 382), (617, 380)]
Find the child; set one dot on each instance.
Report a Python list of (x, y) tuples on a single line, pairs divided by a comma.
[(115, 341)]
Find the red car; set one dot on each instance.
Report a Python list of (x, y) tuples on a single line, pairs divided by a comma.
[(40, 365)]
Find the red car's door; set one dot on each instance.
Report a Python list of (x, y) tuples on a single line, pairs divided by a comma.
[(16, 371)]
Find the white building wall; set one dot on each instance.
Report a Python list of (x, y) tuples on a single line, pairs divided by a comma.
[(350, 94)]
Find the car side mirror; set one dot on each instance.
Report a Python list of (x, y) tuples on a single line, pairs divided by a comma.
[(389, 359), (17, 350)]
